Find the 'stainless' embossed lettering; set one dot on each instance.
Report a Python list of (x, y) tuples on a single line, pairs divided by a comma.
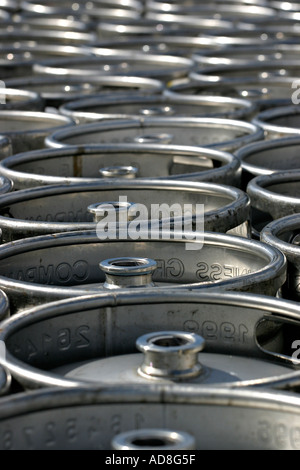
[(217, 272)]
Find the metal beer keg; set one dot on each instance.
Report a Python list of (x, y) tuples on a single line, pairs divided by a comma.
[(222, 134), (87, 164), (51, 267)]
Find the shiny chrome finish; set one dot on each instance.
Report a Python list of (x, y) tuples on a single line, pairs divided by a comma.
[(232, 74), (266, 157), (27, 130), (283, 233), (279, 122), (179, 44), (17, 60), (49, 37), (243, 54), (128, 272), (57, 91), (171, 357), (51, 267), (153, 439), (233, 417), (218, 133), (114, 62), (125, 28), (264, 92), (274, 196), (260, 353), (65, 208), (224, 11), (30, 23), (24, 100), (87, 164), (101, 109)]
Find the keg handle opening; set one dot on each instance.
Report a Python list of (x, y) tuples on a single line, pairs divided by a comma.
[(128, 272), (153, 438), (170, 355)]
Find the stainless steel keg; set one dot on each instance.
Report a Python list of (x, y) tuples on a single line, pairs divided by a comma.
[(266, 157), (114, 62), (278, 122), (54, 37), (250, 336), (50, 267), (24, 100), (66, 207), (87, 164), (227, 11), (126, 28), (17, 60), (27, 130), (284, 234), (243, 54), (101, 108), (273, 196), (266, 92), (171, 44), (91, 418), (219, 133), (172, 357), (56, 91), (231, 74)]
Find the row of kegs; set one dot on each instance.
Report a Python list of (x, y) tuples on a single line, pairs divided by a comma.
[(121, 329)]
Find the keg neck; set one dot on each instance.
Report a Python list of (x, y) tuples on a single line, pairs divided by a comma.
[(128, 272), (171, 355), (124, 172)]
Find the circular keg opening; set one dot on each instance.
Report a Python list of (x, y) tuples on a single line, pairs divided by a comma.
[(149, 441), (169, 341)]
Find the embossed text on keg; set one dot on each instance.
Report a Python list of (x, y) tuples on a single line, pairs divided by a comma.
[(54, 274), (64, 339), (212, 331), (216, 271)]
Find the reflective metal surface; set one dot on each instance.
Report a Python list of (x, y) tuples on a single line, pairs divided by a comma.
[(101, 109), (50, 267), (223, 134), (27, 130), (87, 164), (284, 234), (64, 208)]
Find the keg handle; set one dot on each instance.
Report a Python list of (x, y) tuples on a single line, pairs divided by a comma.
[(118, 210), (171, 355), (153, 438), (128, 272), (120, 171)]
